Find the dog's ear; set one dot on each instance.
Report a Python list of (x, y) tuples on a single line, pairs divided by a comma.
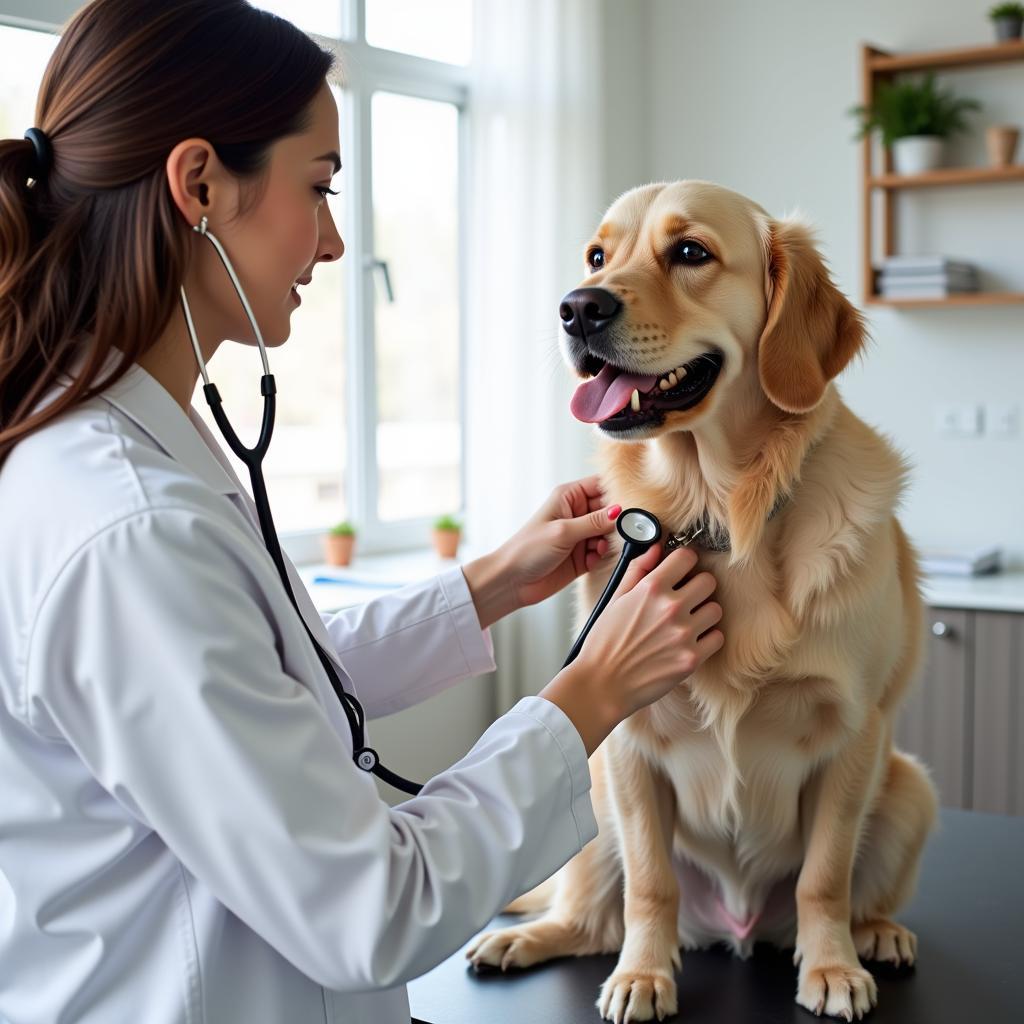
[(812, 330)]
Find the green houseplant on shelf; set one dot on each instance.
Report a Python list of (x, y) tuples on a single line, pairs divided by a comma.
[(914, 119), (446, 534), (339, 542), (1008, 19)]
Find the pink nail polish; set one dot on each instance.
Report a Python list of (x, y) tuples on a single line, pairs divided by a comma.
[(613, 512)]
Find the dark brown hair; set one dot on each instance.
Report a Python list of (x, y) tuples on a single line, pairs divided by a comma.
[(92, 255)]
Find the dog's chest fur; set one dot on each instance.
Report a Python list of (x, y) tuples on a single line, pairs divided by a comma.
[(738, 769), (739, 749)]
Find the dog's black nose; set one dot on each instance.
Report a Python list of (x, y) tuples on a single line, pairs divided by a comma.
[(585, 311)]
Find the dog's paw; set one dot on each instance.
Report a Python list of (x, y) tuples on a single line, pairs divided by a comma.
[(505, 948), (837, 990), (637, 995), (885, 940)]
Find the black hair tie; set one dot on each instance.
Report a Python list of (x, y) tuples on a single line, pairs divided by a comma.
[(43, 152)]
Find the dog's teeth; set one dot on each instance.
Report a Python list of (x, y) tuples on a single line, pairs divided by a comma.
[(634, 400), (672, 378)]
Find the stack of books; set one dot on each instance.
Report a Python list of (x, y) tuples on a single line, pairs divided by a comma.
[(925, 277), (963, 561)]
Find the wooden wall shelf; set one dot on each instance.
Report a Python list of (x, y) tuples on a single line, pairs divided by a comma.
[(960, 299), (879, 65), (949, 176), (884, 63)]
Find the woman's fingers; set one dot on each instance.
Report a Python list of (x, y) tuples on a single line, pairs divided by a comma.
[(709, 644), (699, 589), (640, 567), (675, 566), (590, 486), (706, 616)]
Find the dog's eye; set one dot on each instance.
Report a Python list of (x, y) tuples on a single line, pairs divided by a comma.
[(595, 259), (688, 251)]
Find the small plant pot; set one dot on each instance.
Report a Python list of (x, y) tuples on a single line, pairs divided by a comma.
[(915, 154), (338, 548), (1008, 27), (446, 542), (1001, 140)]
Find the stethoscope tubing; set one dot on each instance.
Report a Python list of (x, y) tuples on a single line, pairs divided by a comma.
[(365, 757)]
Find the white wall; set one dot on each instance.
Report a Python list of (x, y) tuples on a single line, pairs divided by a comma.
[(753, 95)]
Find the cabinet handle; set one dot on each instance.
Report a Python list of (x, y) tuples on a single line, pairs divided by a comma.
[(941, 629)]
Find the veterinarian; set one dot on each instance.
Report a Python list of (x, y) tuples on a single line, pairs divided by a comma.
[(184, 833)]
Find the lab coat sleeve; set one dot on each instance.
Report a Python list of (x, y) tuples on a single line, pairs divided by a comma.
[(404, 647), (153, 656)]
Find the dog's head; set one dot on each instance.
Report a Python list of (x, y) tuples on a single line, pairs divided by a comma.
[(694, 295)]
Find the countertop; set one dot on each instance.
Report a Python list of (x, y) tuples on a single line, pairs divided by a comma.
[(1002, 591)]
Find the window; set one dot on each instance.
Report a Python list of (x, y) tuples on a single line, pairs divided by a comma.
[(437, 29), (415, 223), (370, 415), (23, 58)]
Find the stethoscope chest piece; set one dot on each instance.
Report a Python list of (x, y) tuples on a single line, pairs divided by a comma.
[(638, 526), (367, 759)]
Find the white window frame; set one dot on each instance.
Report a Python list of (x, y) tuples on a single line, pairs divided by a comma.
[(366, 69), (41, 15)]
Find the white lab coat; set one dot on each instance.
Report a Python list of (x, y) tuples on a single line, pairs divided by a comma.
[(183, 834)]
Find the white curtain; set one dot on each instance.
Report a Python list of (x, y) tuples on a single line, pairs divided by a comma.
[(537, 191)]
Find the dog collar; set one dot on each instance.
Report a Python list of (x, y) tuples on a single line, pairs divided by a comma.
[(712, 540)]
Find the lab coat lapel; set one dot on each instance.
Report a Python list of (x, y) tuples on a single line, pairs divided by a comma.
[(150, 406)]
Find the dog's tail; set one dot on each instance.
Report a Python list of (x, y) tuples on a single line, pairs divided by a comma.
[(535, 900)]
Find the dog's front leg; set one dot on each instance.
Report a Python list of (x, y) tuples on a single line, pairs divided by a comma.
[(643, 984), (831, 978)]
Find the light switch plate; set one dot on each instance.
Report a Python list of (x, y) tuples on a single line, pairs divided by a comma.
[(958, 420), (1003, 419)]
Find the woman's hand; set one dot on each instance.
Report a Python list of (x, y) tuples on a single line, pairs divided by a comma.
[(563, 539)]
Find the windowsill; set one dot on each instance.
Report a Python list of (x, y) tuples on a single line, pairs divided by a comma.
[(999, 591), (371, 576)]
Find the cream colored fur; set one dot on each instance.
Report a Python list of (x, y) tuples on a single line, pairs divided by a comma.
[(767, 781)]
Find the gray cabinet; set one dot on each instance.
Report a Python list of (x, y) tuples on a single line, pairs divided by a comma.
[(998, 712), (965, 715)]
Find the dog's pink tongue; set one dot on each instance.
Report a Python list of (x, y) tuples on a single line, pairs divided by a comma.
[(604, 395)]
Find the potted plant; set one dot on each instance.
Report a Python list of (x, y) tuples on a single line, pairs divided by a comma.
[(446, 536), (1008, 19), (338, 543), (914, 119)]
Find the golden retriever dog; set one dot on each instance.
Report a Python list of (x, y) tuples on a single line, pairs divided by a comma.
[(762, 799)]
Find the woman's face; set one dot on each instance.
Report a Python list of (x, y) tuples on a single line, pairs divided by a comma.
[(273, 245)]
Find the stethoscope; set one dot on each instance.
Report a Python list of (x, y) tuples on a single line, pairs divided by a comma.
[(638, 528)]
